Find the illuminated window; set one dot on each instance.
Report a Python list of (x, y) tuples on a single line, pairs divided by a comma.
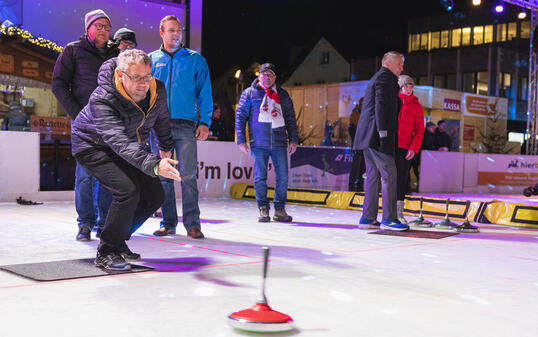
[(504, 84), (414, 42), (525, 30), (476, 83), (512, 31), (456, 37), (444, 38), (424, 41), (436, 40), (482, 83), (488, 34), (478, 35), (501, 33), (466, 36)]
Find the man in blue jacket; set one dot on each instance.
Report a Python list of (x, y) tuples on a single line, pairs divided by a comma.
[(268, 109), (376, 136), (186, 76)]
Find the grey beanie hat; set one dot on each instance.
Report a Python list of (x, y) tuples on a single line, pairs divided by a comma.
[(94, 15)]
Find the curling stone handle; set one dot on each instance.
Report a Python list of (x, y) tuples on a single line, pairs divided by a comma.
[(262, 299), (265, 260)]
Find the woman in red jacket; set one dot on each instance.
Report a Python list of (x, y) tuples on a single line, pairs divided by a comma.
[(410, 133)]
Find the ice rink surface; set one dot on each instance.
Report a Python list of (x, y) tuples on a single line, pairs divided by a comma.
[(332, 278)]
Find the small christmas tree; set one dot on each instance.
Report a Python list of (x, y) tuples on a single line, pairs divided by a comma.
[(494, 141)]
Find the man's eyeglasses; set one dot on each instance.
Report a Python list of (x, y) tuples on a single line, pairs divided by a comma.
[(100, 26), (137, 78)]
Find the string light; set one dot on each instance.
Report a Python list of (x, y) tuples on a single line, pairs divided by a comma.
[(26, 35)]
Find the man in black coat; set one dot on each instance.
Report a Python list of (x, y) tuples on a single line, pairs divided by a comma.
[(110, 138), (376, 136), (73, 80)]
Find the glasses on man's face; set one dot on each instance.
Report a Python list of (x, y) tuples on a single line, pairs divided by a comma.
[(136, 78), (100, 26)]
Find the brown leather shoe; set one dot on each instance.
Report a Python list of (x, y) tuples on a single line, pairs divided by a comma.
[(163, 231), (195, 233)]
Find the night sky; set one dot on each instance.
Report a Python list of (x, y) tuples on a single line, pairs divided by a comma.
[(239, 32)]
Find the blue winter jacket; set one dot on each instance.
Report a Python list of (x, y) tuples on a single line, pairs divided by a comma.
[(186, 77), (261, 134)]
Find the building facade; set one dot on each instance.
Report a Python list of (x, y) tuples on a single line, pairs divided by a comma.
[(477, 51)]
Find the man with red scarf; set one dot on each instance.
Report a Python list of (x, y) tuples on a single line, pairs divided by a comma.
[(268, 109)]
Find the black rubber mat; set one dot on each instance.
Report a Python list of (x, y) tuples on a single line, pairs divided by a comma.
[(413, 233), (65, 270)]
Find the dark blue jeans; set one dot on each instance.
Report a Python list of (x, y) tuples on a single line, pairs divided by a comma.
[(92, 200), (184, 133), (279, 157)]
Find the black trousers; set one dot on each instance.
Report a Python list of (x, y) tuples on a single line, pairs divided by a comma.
[(135, 196), (402, 172), (358, 167)]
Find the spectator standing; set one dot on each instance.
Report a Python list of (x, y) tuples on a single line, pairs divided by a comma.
[(73, 80), (410, 134), (376, 135)]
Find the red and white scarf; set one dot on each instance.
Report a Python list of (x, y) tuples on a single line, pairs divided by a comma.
[(270, 110)]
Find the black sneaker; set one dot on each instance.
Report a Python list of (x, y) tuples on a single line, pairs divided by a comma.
[(128, 255), (112, 261), (84, 233)]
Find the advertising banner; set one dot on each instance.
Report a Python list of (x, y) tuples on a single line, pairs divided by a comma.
[(502, 173), (222, 164), (320, 168), (484, 106)]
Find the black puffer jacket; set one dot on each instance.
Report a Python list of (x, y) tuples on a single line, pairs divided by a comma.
[(75, 73), (112, 120)]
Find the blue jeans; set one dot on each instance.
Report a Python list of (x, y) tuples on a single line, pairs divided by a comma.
[(92, 200), (279, 157), (184, 134)]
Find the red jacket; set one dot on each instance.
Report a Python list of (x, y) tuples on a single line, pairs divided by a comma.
[(410, 123)]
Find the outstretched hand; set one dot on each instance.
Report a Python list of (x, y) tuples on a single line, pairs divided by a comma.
[(244, 147), (167, 170)]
